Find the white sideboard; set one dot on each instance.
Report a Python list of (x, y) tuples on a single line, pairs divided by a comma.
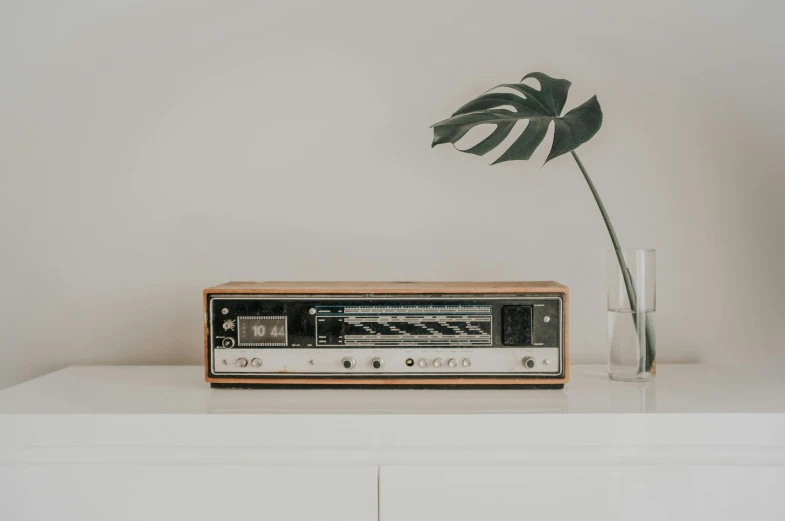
[(130, 443)]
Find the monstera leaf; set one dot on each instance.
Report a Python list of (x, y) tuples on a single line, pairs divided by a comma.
[(538, 107)]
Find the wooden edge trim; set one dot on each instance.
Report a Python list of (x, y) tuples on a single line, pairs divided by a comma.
[(566, 325), (381, 381), (206, 337), (389, 291)]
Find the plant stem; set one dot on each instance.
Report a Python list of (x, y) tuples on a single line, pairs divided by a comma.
[(645, 361)]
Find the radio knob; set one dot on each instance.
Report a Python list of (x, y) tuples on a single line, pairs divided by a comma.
[(227, 342), (348, 362), (452, 362), (423, 362), (467, 362), (528, 362), (241, 362), (377, 363), (438, 362), (256, 362)]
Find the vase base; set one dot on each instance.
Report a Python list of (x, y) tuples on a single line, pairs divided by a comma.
[(632, 378)]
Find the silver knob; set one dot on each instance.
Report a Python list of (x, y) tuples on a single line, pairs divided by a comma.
[(438, 362), (467, 362), (528, 362), (452, 362), (423, 362), (256, 362), (377, 363), (241, 362), (227, 342), (348, 362)]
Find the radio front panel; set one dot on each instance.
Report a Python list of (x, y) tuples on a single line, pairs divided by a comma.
[(360, 337)]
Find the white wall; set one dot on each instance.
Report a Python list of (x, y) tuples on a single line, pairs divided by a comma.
[(150, 149)]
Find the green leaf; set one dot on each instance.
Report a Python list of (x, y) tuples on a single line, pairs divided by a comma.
[(538, 107)]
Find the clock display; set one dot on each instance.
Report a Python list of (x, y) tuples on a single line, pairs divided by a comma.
[(262, 331)]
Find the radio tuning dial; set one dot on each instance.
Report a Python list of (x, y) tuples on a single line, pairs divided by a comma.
[(528, 362), (228, 342), (348, 362), (377, 363)]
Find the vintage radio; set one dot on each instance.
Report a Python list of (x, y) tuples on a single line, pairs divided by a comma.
[(386, 334)]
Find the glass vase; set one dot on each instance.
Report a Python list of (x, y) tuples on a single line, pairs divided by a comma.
[(631, 304)]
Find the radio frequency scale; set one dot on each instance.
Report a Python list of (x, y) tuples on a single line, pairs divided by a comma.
[(390, 334)]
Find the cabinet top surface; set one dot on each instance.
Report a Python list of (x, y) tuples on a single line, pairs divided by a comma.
[(111, 390), (335, 287)]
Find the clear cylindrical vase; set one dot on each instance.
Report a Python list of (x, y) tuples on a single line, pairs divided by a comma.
[(632, 301)]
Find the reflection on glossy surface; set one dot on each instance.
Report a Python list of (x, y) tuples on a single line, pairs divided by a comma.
[(387, 401), (632, 396)]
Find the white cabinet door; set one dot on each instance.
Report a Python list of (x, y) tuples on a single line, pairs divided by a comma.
[(120, 492), (639, 493)]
